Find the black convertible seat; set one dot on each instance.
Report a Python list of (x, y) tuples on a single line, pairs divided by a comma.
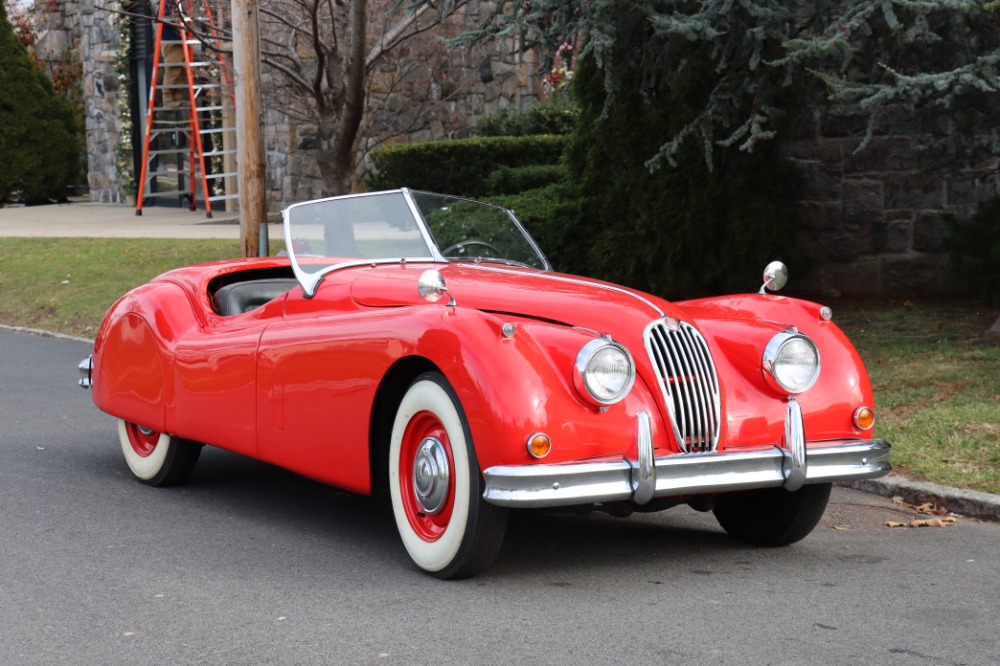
[(240, 297)]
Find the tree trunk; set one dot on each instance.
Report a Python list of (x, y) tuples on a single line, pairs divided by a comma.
[(336, 179), (340, 122)]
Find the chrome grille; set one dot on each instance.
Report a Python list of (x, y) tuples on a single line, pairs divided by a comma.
[(689, 383)]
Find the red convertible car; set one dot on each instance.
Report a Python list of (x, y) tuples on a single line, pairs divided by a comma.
[(420, 345)]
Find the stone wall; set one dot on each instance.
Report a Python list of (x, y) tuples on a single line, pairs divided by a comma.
[(874, 219)]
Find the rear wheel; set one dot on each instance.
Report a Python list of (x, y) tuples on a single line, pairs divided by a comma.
[(774, 516), (435, 485), (157, 458)]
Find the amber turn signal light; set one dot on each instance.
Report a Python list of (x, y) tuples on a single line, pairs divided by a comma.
[(539, 445), (864, 418)]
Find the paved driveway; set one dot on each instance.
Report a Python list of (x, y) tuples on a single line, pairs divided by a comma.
[(253, 565)]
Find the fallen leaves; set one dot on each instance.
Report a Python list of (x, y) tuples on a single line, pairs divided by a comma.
[(931, 522), (927, 508)]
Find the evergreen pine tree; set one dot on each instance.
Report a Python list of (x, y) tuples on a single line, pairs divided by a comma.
[(677, 232), (39, 156), (930, 66)]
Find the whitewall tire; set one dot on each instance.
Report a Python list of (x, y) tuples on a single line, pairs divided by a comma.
[(157, 458), (436, 487)]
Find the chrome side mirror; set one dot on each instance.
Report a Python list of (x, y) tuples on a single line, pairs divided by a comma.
[(431, 287), (775, 277)]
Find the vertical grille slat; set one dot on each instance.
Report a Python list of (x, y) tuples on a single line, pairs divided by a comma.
[(705, 370), (700, 433), (708, 370), (683, 384), (689, 383)]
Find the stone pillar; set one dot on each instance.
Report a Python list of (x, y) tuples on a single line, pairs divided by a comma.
[(99, 44)]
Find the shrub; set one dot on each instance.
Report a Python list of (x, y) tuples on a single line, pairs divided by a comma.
[(556, 115), (461, 166), (511, 180), (40, 156), (551, 215), (974, 247)]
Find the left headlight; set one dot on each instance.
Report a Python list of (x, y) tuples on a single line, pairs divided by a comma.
[(792, 361), (604, 372)]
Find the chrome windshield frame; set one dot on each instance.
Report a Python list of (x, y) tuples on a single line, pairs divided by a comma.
[(310, 281)]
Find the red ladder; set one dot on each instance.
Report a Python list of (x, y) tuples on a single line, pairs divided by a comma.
[(179, 133)]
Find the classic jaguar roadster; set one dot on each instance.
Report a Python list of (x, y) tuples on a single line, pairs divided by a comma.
[(420, 345)]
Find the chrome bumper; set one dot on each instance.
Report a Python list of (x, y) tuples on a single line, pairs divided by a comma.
[(86, 367), (639, 476)]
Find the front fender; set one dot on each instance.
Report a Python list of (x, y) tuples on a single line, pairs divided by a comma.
[(738, 327), (512, 387)]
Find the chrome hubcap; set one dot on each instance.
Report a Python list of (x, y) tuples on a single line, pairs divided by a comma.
[(431, 475)]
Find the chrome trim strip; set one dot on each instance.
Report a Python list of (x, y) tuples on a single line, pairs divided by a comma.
[(568, 484)]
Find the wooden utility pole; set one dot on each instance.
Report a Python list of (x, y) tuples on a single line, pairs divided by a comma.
[(249, 126)]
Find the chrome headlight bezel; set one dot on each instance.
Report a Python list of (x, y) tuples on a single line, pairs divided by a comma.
[(776, 358), (586, 367)]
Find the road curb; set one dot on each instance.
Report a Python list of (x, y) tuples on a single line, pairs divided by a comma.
[(44, 333), (969, 503)]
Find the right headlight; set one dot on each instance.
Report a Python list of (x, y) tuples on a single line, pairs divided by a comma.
[(791, 360), (604, 372)]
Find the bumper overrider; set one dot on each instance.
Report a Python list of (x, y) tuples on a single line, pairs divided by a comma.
[(640, 477)]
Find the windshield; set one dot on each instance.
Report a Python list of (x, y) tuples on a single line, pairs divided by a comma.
[(467, 230), (380, 227)]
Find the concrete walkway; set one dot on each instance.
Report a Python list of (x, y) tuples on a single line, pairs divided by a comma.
[(91, 220)]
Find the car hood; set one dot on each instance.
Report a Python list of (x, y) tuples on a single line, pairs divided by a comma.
[(554, 297)]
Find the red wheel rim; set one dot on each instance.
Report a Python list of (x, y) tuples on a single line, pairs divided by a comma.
[(143, 440), (428, 526)]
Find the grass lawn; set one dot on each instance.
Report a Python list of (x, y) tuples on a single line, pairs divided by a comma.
[(935, 369), (67, 284), (934, 366)]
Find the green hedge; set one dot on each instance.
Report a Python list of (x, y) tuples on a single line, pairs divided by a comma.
[(460, 166), (512, 180), (555, 115), (551, 215)]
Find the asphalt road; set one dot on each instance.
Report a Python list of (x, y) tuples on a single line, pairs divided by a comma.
[(249, 564)]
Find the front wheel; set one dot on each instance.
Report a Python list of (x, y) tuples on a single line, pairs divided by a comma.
[(155, 457), (435, 485), (772, 517)]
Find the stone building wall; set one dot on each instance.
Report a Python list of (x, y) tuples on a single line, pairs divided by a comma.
[(875, 219), (423, 91)]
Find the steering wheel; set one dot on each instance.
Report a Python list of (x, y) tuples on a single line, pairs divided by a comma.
[(464, 244)]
